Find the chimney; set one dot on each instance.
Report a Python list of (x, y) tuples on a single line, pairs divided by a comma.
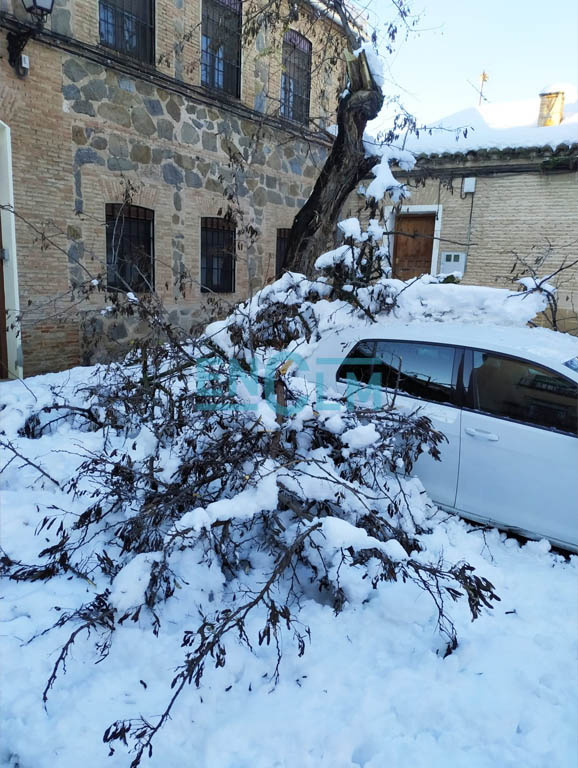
[(551, 106)]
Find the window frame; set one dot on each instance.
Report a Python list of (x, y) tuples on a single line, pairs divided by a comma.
[(117, 9), (114, 212), (469, 402), (219, 225), (457, 370), (294, 41), (235, 8)]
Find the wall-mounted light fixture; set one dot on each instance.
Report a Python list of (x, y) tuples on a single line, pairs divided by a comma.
[(39, 10)]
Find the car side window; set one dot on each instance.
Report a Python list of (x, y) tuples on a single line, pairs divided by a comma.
[(356, 367), (522, 391), (417, 369)]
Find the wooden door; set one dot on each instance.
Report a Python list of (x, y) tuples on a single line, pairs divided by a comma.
[(3, 339), (413, 245)]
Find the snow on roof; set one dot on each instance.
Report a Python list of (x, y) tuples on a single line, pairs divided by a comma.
[(498, 126)]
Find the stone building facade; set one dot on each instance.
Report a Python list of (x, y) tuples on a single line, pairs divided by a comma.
[(93, 127)]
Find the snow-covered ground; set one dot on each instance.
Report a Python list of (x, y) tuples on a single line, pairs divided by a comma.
[(372, 688)]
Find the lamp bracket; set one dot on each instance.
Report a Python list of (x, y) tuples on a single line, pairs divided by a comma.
[(17, 43)]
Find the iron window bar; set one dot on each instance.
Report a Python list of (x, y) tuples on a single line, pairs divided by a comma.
[(129, 248), (218, 244), (296, 77), (221, 46), (281, 250), (127, 26)]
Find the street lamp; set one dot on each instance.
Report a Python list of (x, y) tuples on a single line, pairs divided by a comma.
[(40, 10)]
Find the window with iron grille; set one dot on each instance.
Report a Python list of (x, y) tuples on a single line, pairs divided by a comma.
[(129, 248), (221, 45), (217, 255), (296, 77), (282, 238), (128, 27)]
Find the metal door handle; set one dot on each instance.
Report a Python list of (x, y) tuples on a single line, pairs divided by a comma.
[(481, 434)]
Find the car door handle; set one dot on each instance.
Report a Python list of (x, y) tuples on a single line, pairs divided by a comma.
[(481, 434)]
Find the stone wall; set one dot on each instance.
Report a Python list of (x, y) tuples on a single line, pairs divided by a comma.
[(85, 127)]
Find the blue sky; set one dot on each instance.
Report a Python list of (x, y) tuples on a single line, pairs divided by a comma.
[(522, 45)]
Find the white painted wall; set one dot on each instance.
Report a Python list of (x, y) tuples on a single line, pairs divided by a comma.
[(10, 266)]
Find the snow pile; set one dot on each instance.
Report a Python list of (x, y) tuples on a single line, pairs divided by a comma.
[(496, 126)]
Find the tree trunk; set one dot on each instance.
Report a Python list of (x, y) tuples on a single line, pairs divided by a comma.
[(314, 226)]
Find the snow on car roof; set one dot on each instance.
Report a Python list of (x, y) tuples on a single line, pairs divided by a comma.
[(538, 344)]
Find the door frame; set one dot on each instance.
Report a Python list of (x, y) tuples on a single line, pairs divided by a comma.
[(405, 210), (10, 267)]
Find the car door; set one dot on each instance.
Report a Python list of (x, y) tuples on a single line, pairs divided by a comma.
[(519, 449), (420, 377)]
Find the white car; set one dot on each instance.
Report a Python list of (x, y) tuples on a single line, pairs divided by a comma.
[(506, 400)]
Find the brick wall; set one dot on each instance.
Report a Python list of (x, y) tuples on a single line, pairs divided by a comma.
[(526, 214)]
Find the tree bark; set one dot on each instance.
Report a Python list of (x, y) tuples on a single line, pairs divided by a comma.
[(314, 227)]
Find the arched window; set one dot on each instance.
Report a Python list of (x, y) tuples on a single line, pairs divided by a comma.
[(221, 46), (296, 77)]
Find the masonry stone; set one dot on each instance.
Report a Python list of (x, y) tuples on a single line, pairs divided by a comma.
[(99, 142), (165, 129), (213, 186), (74, 70), (114, 113), (154, 107), (173, 109), (78, 135), (120, 164), (296, 167), (87, 156), (94, 90), (260, 197), (117, 145), (92, 67), (144, 88), (189, 135), (209, 141), (71, 92), (274, 197), (141, 153), (126, 84), (122, 97), (60, 22), (142, 122), (83, 108), (158, 155), (171, 174)]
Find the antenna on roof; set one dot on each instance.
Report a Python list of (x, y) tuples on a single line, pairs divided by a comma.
[(483, 79)]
